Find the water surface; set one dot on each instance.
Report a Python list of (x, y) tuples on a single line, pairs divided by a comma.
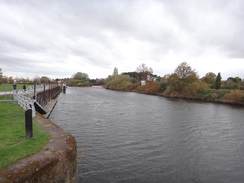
[(130, 137)]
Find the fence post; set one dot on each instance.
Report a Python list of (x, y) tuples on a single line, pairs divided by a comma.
[(35, 91), (28, 123), (64, 88), (49, 91)]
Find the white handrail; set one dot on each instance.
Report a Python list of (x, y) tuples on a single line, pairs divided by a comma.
[(24, 100)]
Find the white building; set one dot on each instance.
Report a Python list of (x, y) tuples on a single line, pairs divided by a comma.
[(143, 82)]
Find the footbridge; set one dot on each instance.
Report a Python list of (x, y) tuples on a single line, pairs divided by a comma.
[(37, 97)]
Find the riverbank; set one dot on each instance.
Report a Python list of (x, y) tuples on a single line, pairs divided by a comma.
[(174, 86), (56, 161), (14, 144), (230, 97), (205, 100)]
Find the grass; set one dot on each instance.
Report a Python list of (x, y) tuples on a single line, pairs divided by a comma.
[(13, 143), (6, 97), (6, 87)]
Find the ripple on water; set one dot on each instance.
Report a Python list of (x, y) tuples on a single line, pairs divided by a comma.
[(129, 137)]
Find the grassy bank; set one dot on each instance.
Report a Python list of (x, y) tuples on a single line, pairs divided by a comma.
[(6, 97), (6, 87), (14, 146)]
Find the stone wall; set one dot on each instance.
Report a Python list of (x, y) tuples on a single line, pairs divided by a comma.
[(56, 163)]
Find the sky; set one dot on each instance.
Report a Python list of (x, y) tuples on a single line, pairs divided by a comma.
[(58, 38)]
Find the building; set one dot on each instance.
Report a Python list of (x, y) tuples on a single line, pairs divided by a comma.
[(143, 82), (1, 73)]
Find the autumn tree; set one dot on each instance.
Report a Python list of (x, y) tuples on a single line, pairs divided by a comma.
[(151, 88), (218, 81)]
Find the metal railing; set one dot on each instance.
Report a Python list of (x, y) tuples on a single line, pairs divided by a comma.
[(43, 97), (41, 94), (24, 101)]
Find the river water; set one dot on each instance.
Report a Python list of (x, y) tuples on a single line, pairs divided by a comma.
[(130, 137)]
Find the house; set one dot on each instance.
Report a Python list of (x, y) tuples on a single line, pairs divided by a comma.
[(143, 82)]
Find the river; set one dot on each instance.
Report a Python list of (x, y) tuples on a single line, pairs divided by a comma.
[(131, 137)]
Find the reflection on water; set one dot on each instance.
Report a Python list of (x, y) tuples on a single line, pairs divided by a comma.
[(130, 137)]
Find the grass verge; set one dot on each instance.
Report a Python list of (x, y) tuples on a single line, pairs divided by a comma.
[(13, 144), (6, 97), (6, 87)]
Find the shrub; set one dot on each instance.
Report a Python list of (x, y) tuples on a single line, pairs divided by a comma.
[(163, 86), (234, 96), (118, 82), (171, 92), (134, 86), (194, 88), (150, 88)]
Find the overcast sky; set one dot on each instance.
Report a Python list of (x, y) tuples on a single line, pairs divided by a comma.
[(57, 38)]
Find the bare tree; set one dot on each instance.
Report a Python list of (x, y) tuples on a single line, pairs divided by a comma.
[(145, 72), (144, 68)]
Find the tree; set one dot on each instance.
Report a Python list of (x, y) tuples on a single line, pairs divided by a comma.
[(194, 88), (185, 76), (180, 80), (118, 82), (135, 77), (218, 81), (144, 68), (44, 79), (80, 75), (233, 83), (184, 70), (10, 80), (210, 79), (144, 71)]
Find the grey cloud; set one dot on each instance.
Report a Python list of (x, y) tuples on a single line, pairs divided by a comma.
[(103, 33)]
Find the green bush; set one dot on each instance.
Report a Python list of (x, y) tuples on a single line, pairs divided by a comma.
[(213, 94), (194, 88), (118, 82)]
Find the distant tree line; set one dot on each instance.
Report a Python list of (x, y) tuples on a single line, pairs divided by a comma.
[(21, 80), (182, 83), (82, 79)]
